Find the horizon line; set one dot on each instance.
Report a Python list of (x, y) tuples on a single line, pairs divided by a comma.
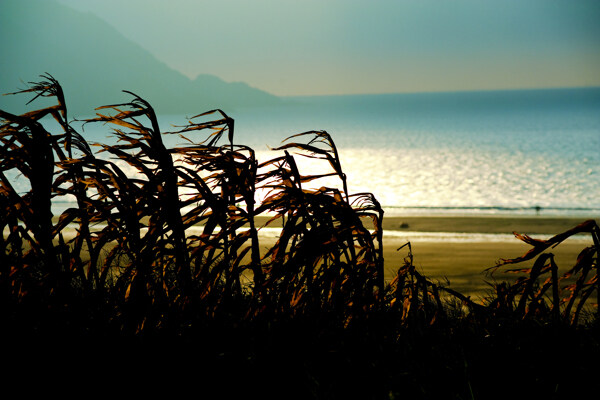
[(523, 89)]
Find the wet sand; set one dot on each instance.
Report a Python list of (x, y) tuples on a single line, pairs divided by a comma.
[(476, 224)]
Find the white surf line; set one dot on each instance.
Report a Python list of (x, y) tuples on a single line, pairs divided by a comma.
[(463, 237)]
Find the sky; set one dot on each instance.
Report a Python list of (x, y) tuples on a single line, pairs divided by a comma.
[(310, 47)]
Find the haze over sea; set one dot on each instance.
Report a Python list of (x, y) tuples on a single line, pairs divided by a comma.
[(474, 153)]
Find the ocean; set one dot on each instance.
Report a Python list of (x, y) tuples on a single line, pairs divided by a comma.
[(499, 152), (522, 152)]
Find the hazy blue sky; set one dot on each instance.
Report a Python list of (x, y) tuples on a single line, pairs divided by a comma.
[(296, 47)]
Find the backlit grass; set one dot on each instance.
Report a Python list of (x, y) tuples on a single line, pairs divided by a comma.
[(313, 311)]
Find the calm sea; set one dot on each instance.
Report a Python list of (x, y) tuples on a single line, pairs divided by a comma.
[(496, 152), (478, 152)]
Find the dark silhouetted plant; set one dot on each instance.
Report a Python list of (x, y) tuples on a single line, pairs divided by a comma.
[(159, 238)]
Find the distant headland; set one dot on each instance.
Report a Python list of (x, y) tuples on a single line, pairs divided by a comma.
[(92, 71)]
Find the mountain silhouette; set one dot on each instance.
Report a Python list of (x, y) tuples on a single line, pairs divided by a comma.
[(94, 63)]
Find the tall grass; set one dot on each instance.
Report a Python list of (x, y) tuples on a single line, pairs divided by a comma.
[(132, 245), (135, 267)]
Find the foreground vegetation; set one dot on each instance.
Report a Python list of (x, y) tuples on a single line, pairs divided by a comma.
[(162, 268)]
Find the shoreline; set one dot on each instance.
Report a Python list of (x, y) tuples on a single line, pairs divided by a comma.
[(531, 225), (486, 240), (461, 248)]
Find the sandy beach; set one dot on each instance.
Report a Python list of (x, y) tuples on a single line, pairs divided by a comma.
[(459, 249), (482, 241)]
